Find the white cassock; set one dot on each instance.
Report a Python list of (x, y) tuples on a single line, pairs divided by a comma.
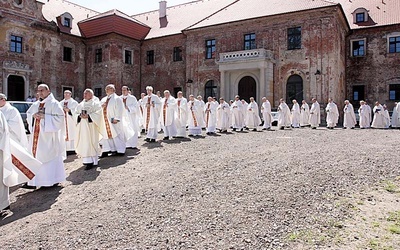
[(398, 114), (141, 126), (244, 111), (194, 117), (295, 115), (349, 120), (88, 131), (168, 116), (15, 124), (283, 115), (151, 115), (5, 161), (332, 114), (131, 116), (253, 119), (305, 115), (69, 123), (379, 119), (47, 141), (395, 117), (113, 108), (202, 120), (266, 113), (369, 112), (223, 113), (315, 116), (364, 116), (386, 115), (237, 115), (210, 116), (182, 116)]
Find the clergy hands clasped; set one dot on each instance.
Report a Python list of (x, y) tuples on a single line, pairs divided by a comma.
[(39, 115)]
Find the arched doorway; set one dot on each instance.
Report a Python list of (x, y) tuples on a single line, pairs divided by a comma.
[(247, 88), (15, 88), (210, 89), (294, 89)]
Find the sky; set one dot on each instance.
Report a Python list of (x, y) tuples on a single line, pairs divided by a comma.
[(129, 7)]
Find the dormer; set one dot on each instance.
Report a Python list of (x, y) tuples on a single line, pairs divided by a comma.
[(360, 15), (64, 22)]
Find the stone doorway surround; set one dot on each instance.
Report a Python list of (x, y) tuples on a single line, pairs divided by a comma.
[(18, 69)]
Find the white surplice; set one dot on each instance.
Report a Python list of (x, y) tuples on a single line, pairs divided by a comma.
[(349, 120), (151, 115), (210, 116), (283, 115), (131, 117), (223, 114), (266, 113), (253, 119), (238, 114), (182, 116), (69, 123), (395, 118), (364, 116), (379, 118), (315, 115), (15, 124), (5, 159), (194, 117), (50, 138), (295, 115), (168, 116), (202, 119), (305, 115), (332, 114)]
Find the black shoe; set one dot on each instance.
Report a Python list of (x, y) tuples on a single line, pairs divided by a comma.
[(282, 128), (241, 130), (147, 139), (352, 128), (166, 138), (234, 129), (190, 135), (313, 128), (143, 131), (264, 129), (119, 154), (254, 129), (26, 186), (71, 153), (152, 140), (225, 131), (104, 154)]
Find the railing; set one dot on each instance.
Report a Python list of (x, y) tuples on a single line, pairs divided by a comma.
[(244, 55)]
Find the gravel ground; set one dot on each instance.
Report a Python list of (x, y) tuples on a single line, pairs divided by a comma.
[(240, 190)]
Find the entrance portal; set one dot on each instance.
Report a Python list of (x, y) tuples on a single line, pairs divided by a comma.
[(15, 88), (247, 88)]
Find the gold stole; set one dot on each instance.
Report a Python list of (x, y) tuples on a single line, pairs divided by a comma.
[(109, 134), (193, 115), (148, 113), (66, 121), (208, 113), (36, 131), (165, 109)]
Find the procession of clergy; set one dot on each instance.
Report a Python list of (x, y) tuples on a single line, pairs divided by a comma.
[(101, 128)]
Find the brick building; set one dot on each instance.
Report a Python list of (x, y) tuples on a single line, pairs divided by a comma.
[(290, 49)]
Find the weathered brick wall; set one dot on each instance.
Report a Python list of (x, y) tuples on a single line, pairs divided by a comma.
[(377, 69)]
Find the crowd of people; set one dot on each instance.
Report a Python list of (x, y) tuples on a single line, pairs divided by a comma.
[(96, 128)]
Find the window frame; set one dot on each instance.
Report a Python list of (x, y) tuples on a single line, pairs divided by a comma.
[(291, 36), (130, 57), (14, 42), (96, 90), (395, 43), (150, 56), (211, 48), (249, 41), (177, 54), (68, 55), (396, 92), (98, 55), (358, 15), (67, 22), (364, 40)]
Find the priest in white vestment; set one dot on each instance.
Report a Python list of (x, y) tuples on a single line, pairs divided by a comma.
[(397, 108), (90, 125), (283, 115), (364, 115), (332, 114), (202, 105), (266, 113), (16, 126), (210, 116), (130, 118), (295, 114), (223, 114), (304, 114), (386, 116), (195, 115), (349, 120), (141, 117), (168, 115), (182, 115), (69, 105), (395, 117), (253, 119), (237, 114), (5, 159), (47, 141), (113, 109), (379, 118), (315, 114), (151, 114), (369, 111)]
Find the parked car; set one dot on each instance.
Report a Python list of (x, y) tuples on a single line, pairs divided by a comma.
[(274, 113), (22, 108)]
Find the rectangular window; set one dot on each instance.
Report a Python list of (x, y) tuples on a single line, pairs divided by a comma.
[(128, 57), (16, 44), (394, 44), (67, 56), (98, 56), (294, 38), (394, 92), (358, 92), (210, 49), (177, 54), (360, 17), (250, 41), (97, 92), (358, 48), (67, 22), (150, 57)]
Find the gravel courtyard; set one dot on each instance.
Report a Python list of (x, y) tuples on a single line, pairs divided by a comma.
[(291, 189)]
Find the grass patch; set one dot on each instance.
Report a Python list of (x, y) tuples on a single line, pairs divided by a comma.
[(375, 224), (394, 229), (391, 187), (394, 217)]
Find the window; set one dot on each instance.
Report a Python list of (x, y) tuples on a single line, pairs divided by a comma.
[(98, 56), (16, 44), (250, 41), (358, 47), (294, 38), (394, 44), (360, 17), (210, 49), (128, 56), (67, 22), (294, 89), (358, 92), (176, 90), (97, 92), (67, 56), (150, 57), (210, 90), (394, 92), (177, 54)]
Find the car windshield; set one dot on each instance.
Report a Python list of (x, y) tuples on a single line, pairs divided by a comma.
[(22, 107)]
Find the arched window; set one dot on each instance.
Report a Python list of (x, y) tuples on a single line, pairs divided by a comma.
[(247, 88), (210, 90), (294, 89)]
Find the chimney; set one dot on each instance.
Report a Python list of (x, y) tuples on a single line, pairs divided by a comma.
[(163, 9)]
